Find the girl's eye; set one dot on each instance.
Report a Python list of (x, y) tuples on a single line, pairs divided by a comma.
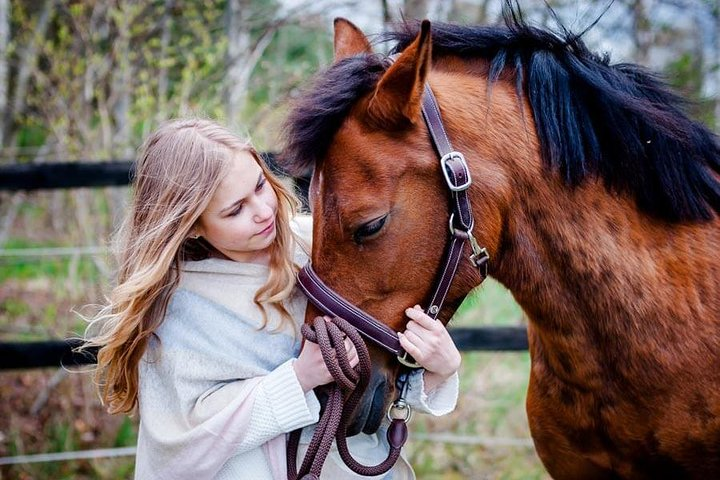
[(260, 184), (236, 211), (369, 230)]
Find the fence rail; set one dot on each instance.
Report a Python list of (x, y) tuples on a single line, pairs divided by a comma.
[(56, 353), (65, 175), (81, 174)]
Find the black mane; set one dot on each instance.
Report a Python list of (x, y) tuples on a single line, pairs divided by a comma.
[(618, 122)]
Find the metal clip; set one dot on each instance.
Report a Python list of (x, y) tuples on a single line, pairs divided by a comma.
[(457, 232), (480, 257), (399, 406)]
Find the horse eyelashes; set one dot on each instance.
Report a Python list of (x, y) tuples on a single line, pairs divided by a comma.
[(364, 232)]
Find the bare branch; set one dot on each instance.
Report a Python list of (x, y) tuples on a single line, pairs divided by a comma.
[(4, 73), (28, 59)]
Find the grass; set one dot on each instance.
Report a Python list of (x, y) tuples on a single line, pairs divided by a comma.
[(36, 302), (17, 268), (38, 295)]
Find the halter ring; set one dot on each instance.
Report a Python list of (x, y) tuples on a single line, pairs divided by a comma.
[(399, 406), (404, 360)]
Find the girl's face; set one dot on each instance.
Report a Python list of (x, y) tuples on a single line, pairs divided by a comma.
[(239, 221)]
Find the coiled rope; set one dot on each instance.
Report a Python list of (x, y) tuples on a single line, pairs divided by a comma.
[(344, 396)]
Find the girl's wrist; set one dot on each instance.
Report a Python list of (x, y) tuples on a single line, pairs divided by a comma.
[(433, 380), (305, 383)]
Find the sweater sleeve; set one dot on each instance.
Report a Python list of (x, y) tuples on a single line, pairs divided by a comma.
[(228, 419), (247, 413), (440, 401), (302, 225)]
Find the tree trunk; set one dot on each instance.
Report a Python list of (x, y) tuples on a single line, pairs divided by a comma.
[(165, 28), (387, 16), (236, 75), (121, 86), (439, 10), (415, 9), (716, 66), (641, 31), (4, 41)]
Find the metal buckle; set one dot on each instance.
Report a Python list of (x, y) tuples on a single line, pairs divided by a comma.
[(443, 162), (403, 359)]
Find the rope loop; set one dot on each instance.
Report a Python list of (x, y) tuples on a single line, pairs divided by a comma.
[(343, 397)]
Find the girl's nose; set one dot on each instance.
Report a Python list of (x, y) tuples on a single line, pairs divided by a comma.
[(263, 210)]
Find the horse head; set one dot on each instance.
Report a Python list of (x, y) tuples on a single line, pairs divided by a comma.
[(380, 205)]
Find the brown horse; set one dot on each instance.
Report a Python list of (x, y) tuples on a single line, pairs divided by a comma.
[(597, 198)]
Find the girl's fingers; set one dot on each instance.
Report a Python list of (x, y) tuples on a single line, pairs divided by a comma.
[(416, 341), (428, 336), (421, 318), (415, 327), (408, 346)]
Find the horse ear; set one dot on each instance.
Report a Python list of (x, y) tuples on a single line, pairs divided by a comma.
[(397, 101), (349, 40)]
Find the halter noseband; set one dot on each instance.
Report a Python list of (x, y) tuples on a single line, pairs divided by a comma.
[(457, 178)]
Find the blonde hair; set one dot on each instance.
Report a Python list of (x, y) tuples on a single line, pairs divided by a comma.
[(178, 170)]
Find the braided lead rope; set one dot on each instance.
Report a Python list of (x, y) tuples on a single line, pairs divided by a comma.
[(349, 383)]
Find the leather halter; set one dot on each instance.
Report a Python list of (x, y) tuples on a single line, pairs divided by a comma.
[(461, 222)]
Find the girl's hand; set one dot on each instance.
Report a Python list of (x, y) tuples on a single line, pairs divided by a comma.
[(310, 367), (429, 343)]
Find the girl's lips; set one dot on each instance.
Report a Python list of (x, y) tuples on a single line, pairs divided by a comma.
[(267, 229)]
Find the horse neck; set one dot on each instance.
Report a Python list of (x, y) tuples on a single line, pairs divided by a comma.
[(603, 284), (588, 268)]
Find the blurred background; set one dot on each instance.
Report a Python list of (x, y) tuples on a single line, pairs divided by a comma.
[(85, 81)]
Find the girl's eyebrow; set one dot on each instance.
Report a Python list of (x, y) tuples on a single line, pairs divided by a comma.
[(239, 201)]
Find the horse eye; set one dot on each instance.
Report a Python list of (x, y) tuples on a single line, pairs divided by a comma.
[(369, 230)]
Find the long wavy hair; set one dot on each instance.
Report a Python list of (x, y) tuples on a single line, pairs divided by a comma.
[(178, 169)]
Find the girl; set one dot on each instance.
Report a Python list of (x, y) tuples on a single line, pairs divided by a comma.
[(201, 332)]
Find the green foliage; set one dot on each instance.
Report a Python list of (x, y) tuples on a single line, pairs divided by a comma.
[(490, 303), (31, 135), (294, 54), (14, 307), (126, 435), (685, 74)]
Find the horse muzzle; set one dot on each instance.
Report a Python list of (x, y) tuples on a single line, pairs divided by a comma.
[(371, 409)]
